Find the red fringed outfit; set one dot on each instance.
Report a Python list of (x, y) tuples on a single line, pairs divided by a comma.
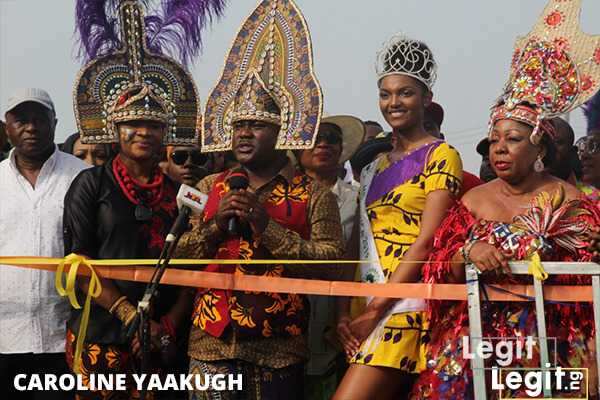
[(557, 234)]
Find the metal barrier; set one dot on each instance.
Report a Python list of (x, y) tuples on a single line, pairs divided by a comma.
[(521, 268)]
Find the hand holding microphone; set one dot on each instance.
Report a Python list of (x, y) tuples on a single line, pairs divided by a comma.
[(240, 205)]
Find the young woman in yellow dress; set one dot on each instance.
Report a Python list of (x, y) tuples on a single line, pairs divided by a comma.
[(404, 196)]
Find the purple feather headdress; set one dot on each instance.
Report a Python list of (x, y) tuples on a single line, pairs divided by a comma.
[(591, 110), (174, 28)]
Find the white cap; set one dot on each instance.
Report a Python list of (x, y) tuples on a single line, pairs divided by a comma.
[(21, 96)]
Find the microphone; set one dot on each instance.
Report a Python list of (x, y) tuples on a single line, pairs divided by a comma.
[(190, 201), (238, 179)]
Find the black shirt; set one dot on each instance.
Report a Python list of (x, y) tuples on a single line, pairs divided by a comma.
[(100, 222)]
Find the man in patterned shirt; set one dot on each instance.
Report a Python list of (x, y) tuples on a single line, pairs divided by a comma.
[(259, 109), (282, 215)]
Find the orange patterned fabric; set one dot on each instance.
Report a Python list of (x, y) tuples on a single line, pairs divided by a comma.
[(256, 314)]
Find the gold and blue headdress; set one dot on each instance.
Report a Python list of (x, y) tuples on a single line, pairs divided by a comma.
[(268, 76), (128, 78)]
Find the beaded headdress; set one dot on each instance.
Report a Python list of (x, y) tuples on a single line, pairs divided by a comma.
[(405, 56), (128, 77), (555, 68), (268, 76)]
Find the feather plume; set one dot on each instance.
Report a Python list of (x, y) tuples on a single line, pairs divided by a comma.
[(177, 30), (591, 110), (96, 27), (174, 28)]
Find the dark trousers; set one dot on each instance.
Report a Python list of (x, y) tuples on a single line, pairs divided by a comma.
[(29, 364)]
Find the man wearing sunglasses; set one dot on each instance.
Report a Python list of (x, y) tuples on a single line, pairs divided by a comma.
[(588, 149), (187, 165), (337, 140)]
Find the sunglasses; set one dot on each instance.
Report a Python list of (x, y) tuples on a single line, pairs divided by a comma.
[(588, 145), (180, 157), (329, 137)]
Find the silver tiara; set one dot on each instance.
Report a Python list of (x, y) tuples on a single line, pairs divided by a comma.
[(405, 56)]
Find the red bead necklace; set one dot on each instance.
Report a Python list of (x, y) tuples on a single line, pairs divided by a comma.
[(147, 194)]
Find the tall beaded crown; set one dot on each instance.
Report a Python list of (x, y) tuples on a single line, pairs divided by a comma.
[(268, 76), (555, 68), (130, 82), (405, 56)]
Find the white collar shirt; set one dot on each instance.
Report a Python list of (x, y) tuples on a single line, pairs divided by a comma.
[(32, 315), (347, 199)]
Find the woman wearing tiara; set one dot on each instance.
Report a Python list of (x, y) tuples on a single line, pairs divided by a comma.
[(404, 196)]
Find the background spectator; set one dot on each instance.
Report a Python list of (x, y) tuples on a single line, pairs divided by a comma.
[(34, 180), (187, 165), (92, 154), (374, 128)]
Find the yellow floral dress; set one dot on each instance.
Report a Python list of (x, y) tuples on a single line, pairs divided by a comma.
[(394, 204)]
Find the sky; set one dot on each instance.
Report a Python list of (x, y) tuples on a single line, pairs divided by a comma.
[(472, 41)]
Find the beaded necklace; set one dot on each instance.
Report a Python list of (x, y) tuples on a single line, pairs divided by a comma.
[(145, 196)]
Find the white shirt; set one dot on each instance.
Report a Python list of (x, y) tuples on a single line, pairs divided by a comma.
[(347, 200), (32, 315)]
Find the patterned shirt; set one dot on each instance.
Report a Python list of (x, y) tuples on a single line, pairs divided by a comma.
[(325, 243)]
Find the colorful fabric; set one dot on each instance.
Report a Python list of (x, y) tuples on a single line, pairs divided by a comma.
[(590, 192), (276, 242), (268, 76), (555, 68), (394, 216), (553, 229), (401, 344), (258, 383), (103, 359), (395, 211), (132, 83), (255, 314)]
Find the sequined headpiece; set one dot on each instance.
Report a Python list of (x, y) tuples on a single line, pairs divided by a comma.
[(268, 76), (555, 68), (130, 82), (405, 56)]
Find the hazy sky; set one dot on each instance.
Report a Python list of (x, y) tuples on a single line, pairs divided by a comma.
[(471, 39)]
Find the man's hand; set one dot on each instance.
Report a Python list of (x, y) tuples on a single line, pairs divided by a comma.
[(227, 209), (244, 205)]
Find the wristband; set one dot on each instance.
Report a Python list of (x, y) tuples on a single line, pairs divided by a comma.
[(116, 304), (466, 251), (125, 312)]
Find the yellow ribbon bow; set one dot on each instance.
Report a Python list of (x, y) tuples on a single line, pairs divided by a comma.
[(536, 268), (94, 290)]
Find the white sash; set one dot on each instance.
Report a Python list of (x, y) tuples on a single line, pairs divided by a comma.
[(370, 270)]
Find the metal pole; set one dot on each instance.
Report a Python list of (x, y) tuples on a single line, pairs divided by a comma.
[(542, 333), (475, 331)]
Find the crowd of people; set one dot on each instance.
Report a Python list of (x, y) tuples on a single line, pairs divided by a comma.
[(317, 188)]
